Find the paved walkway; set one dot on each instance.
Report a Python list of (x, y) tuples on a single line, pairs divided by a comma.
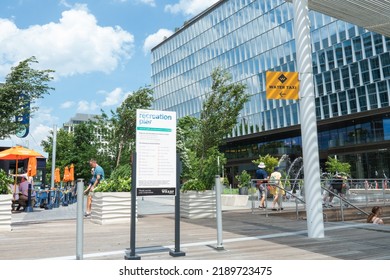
[(246, 235)]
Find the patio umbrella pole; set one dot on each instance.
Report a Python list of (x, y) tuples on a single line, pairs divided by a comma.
[(53, 162)]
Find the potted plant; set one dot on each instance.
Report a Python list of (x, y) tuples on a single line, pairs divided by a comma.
[(244, 182), (5, 201), (111, 201), (198, 198)]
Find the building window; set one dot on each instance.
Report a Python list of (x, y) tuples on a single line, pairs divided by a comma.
[(375, 69), (357, 46), (367, 42), (352, 101), (385, 60), (378, 43)]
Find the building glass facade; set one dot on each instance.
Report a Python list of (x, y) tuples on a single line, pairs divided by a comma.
[(351, 72)]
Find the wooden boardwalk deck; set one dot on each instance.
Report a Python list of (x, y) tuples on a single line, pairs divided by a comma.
[(246, 236)]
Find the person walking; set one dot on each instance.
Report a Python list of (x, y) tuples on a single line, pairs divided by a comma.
[(261, 176), (279, 191), (97, 177)]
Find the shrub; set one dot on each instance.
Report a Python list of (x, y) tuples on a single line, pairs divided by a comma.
[(5, 181), (114, 185), (193, 185)]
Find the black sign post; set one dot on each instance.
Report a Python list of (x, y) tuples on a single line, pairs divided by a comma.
[(130, 253)]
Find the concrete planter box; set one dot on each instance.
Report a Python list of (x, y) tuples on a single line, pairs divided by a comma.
[(111, 207), (196, 205), (234, 200), (5, 212)]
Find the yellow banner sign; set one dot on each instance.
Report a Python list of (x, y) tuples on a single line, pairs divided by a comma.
[(282, 85)]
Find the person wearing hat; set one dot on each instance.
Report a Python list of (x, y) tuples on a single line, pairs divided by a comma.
[(261, 176)]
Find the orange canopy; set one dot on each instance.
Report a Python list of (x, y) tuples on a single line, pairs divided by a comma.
[(66, 174), (71, 172), (18, 153), (57, 176), (32, 167)]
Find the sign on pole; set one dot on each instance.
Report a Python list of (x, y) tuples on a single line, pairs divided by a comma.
[(156, 152), (282, 85)]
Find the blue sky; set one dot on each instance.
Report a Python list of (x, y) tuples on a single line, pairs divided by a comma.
[(99, 49)]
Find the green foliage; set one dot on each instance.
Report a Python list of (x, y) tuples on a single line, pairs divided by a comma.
[(244, 179), (122, 171), (75, 148), (230, 191), (123, 123), (200, 139), (5, 181), (23, 80), (225, 181), (193, 185), (119, 181), (117, 185), (269, 161), (334, 166), (220, 110), (204, 169)]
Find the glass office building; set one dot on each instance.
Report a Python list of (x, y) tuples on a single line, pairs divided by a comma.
[(351, 75)]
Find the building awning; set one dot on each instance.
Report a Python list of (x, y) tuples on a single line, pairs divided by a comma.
[(374, 15)]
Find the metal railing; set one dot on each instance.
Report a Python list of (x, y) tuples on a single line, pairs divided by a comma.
[(354, 192)]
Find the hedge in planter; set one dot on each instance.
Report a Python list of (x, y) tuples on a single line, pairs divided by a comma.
[(5, 201), (111, 202)]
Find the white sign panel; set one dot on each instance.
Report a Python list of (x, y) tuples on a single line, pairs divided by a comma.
[(156, 152)]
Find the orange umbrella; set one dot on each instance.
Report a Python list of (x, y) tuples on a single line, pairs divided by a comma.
[(57, 176), (71, 172), (18, 153), (32, 167), (66, 174)]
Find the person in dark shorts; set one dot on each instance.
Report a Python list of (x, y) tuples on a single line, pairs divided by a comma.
[(261, 176)]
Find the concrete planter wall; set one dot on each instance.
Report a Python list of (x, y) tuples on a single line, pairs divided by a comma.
[(196, 205), (111, 207), (234, 200), (5, 212)]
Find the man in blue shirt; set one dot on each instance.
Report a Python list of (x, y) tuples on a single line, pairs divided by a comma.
[(261, 176), (98, 175)]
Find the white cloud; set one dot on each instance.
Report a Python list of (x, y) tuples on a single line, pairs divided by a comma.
[(67, 104), (74, 45), (114, 97), (190, 7), (156, 38), (65, 3), (87, 107)]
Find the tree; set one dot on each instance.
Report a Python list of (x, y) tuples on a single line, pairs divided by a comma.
[(123, 123), (200, 139), (77, 148), (220, 110), (334, 166), (269, 161), (22, 86)]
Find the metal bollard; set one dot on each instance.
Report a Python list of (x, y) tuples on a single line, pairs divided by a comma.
[(218, 188), (29, 207), (65, 198), (56, 198), (49, 205), (80, 220)]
